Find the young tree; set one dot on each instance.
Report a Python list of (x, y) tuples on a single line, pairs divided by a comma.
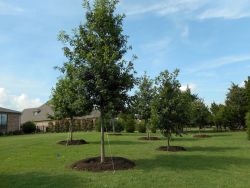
[(170, 105), (97, 48), (68, 99), (217, 111), (144, 99)]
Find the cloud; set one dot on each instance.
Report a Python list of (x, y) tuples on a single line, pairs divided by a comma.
[(17, 102), (157, 45), (220, 62), (9, 9), (194, 9), (191, 86)]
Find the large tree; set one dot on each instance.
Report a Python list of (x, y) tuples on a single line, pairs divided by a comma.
[(171, 105), (144, 97), (97, 48)]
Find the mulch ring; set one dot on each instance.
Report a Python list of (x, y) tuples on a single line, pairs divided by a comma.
[(171, 148), (150, 138), (93, 164), (201, 136), (73, 142), (114, 134)]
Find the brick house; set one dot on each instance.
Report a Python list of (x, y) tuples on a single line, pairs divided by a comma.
[(41, 116), (10, 120)]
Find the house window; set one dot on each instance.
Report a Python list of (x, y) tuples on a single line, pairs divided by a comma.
[(3, 120)]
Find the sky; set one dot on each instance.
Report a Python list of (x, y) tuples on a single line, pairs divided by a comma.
[(207, 40)]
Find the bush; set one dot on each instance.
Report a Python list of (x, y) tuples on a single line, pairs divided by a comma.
[(119, 127), (248, 125), (141, 126), (129, 123), (106, 125), (29, 127), (153, 128)]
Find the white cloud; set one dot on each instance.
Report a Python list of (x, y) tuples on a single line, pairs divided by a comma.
[(9, 9), (191, 86), (194, 9), (220, 62), (17, 102)]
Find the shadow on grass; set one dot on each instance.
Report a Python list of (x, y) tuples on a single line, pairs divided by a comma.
[(190, 162), (38, 179), (118, 142), (211, 148)]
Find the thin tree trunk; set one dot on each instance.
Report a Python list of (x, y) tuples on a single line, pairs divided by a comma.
[(71, 129), (168, 141), (102, 140), (113, 124), (148, 131)]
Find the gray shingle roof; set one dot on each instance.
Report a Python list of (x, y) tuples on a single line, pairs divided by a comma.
[(5, 110), (37, 114), (43, 112)]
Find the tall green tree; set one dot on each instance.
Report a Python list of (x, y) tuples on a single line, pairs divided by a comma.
[(170, 105), (144, 97), (97, 48), (247, 92), (68, 97)]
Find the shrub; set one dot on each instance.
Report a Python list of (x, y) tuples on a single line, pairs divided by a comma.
[(106, 125), (119, 126), (153, 128), (248, 125), (129, 123), (29, 127), (141, 126)]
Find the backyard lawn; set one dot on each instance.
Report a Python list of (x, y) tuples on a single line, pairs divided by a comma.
[(222, 160)]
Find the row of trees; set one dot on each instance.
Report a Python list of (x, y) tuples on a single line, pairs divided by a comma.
[(96, 75)]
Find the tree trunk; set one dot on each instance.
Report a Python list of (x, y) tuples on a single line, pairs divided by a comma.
[(71, 128), (102, 140), (148, 131), (113, 124), (168, 141)]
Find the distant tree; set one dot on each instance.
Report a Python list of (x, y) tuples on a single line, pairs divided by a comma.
[(68, 97), (170, 105), (218, 117), (200, 114), (247, 92), (144, 97), (98, 48), (248, 125), (236, 107)]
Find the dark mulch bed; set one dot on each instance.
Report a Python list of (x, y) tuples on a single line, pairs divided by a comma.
[(114, 134), (150, 138), (172, 148), (93, 164), (73, 142), (201, 136)]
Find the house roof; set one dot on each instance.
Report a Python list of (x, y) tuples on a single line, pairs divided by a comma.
[(5, 110), (41, 113)]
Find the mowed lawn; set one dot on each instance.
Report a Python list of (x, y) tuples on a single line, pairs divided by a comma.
[(37, 161)]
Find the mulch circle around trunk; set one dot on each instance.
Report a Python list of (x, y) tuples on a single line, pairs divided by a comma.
[(94, 165), (114, 134), (201, 136), (150, 138), (172, 148), (73, 142)]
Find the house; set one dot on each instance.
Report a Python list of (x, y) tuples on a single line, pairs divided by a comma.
[(41, 116), (9, 120)]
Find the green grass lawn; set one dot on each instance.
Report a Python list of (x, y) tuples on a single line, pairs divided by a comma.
[(37, 161)]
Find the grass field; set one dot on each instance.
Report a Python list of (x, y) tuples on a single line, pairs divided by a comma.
[(37, 161)]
